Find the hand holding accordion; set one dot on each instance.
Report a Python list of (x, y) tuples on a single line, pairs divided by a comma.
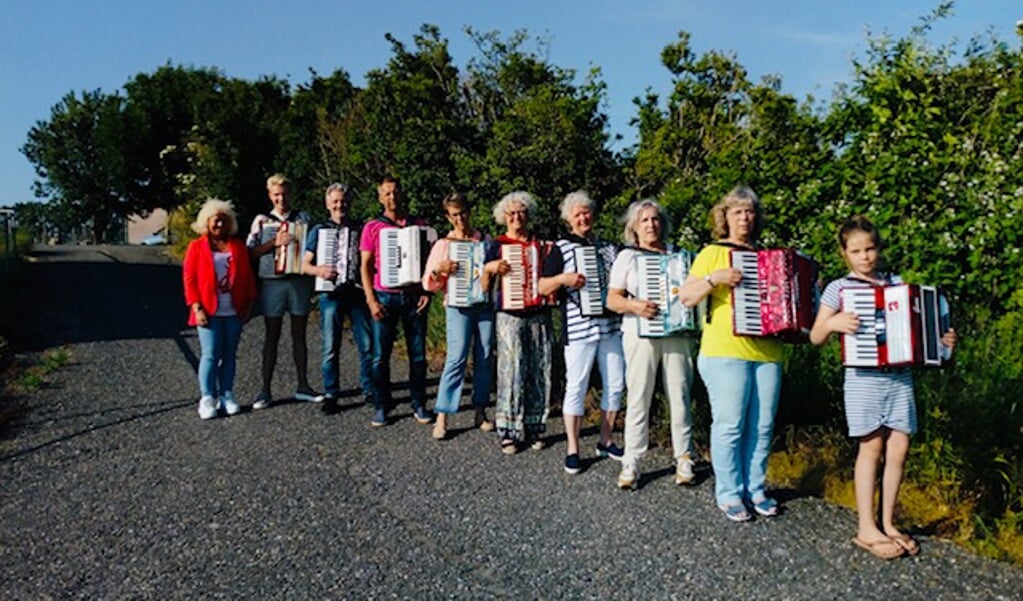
[(900, 325), (777, 295)]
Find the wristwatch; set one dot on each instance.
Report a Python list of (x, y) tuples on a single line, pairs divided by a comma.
[(707, 279)]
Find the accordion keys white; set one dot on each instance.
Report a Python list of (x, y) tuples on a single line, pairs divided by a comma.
[(659, 278), (777, 295), (520, 287), (338, 247), (593, 294), (900, 325), (465, 286), (403, 253)]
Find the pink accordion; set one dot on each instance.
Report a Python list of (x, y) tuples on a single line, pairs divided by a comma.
[(777, 296)]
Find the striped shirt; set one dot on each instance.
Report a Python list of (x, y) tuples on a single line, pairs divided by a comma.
[(577, 327)]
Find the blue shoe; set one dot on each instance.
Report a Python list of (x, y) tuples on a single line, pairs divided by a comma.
[(736, 513), (610, 450), (572, 463), (766, 507), (379, 418), (423, 415)]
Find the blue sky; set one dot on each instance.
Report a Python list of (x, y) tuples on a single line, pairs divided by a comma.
[(49, 48)]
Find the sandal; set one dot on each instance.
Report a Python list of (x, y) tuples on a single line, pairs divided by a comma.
[(884, 548), (907, 542), (508, 447), (766, 507), (736, 513)]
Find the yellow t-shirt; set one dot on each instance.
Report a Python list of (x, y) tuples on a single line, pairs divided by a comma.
[(718, 339)]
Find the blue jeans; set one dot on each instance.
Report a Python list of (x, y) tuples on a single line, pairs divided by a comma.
[(401, 309), (218, 347), (333, 308), (467, 325), (743, 403)]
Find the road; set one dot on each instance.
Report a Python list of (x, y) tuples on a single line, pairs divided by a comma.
[(112, 488)]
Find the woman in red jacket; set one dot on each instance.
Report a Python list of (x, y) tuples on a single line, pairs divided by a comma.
[(219, 290)]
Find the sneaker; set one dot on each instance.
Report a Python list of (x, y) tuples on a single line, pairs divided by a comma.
[(379, 418), (628, 477), (609, 450), (230, 406), (330, 406), (684, 473), (766, 507), (736, 513), (481, 421), (572, 463), (207, 407), (423, 415), (262, 400), (308, 394)]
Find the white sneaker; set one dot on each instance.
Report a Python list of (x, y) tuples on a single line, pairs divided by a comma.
[(308, 395), (628, 477), (207, 407), (227, 401), (684, 473)]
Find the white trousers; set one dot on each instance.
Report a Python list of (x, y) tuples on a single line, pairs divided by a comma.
[(579, 358), (642, 356)]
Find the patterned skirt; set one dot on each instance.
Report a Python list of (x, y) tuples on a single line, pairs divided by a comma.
[(523, 375)]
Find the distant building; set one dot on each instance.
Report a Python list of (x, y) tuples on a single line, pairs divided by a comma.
[(139, 228)]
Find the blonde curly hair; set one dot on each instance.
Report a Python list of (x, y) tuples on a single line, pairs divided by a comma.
[(211, 207)]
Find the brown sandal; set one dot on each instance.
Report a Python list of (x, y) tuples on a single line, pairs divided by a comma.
[(884, 548), (907, 542)]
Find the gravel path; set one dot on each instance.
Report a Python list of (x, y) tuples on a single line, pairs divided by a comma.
[(112, 488)]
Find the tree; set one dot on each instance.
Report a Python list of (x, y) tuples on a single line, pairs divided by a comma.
[(79, 157)]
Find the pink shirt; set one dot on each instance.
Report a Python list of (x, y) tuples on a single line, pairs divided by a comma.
[(370, 242)]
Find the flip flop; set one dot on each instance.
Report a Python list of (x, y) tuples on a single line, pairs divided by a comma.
[(883, 549), (907, 542)]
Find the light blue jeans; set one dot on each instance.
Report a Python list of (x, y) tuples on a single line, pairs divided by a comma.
[(218, 347), (743, 402), (467, 326)]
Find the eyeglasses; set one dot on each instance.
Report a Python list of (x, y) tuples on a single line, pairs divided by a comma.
[(520, 213)]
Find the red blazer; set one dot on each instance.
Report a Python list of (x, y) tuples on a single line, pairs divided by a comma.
[(201, 280)]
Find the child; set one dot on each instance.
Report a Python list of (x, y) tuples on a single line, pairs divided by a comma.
[(879, 405)]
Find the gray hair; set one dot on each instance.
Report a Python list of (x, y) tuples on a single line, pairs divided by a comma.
[(215, 206), (573, 199), (632, 215), (513, 198), (343, 188)]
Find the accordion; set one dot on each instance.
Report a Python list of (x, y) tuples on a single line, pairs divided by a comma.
[(338, 247), (593, 294), (403, 253), (659, 278), (285, 260), (465, 286), (520, 287), (900, 325), (777, 295)]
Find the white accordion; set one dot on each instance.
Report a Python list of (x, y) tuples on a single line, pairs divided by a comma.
[(465, 286), (900, 325), (659, 278), (403, 253), (338, 247)]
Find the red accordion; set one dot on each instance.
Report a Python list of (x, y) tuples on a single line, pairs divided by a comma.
[(520, 287), (900, 325), (777, 295)]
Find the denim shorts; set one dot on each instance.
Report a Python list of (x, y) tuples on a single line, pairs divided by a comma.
[(291, 295)]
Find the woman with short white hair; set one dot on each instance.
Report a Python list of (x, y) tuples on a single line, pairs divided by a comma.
[(523, 340), (586, 337)]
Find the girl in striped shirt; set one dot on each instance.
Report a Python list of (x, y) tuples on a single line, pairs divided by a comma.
[(880, 408)]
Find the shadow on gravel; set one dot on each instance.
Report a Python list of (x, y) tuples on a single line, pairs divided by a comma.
[(162, 408), (70, 302)]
